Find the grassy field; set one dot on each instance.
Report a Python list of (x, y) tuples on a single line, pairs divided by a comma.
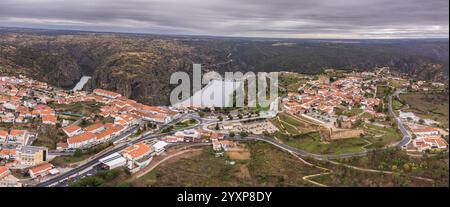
[(396, 105), (396, 83), (286, 128), (289, 124), (429, 105), (291, 81), (311, 142), (352, 112), (110, 178), (383, 91), (380, 136), (266, 166), (185, 123), (48, 137), (84, 108)]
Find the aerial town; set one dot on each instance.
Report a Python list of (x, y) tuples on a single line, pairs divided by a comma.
[(55, 137)]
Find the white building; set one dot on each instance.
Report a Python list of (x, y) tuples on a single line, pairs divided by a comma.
[(192, 133), (18, 137), (406, 116), (425, 131), (113, 161), (159, 146)]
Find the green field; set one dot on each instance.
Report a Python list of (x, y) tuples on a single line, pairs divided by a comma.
[(396, 83), (352, 112), (185, 123), (48, 137), (80, 108), (311, 142), (383, 91), (110, 178), (396, 105), (290, 125), (380, 136), (429, 105), (291, 81)]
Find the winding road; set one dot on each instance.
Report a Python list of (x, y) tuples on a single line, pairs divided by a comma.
[(406, 135), (300, 152)]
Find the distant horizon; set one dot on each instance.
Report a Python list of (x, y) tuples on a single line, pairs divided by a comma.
[(294, 19), (2, 28)]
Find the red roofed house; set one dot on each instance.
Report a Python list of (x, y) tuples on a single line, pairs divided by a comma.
[(6, 179), (216, 136), (105, 93), (62, 145), (49, 119), (3, 136), (172, 139), (136, 152), (81, 140), (425, 131), (425, 143), (216, 145), (40, 170), (8, 153), (72, 130), (126, 119), (95, 128), (105, 135), (18, 136)]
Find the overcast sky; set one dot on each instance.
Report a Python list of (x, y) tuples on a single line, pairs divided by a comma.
[(255, 18)]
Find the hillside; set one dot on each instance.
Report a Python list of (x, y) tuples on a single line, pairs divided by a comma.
[(139, 66)]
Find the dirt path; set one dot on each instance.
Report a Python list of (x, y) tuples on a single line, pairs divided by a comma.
[(376, 171), (307, 178)]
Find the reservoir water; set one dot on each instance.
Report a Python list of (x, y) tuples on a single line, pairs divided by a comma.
[(81, 83), (216, 94)]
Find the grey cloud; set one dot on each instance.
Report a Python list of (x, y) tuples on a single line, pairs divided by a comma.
[(267, 18)]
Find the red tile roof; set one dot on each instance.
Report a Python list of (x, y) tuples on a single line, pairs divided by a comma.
[(41, 168), (16, 132), (4, 171), (81, 137), (94, 127), (137, 150)]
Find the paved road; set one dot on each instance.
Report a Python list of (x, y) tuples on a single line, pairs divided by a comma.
[(406, 135), (95, 161)]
